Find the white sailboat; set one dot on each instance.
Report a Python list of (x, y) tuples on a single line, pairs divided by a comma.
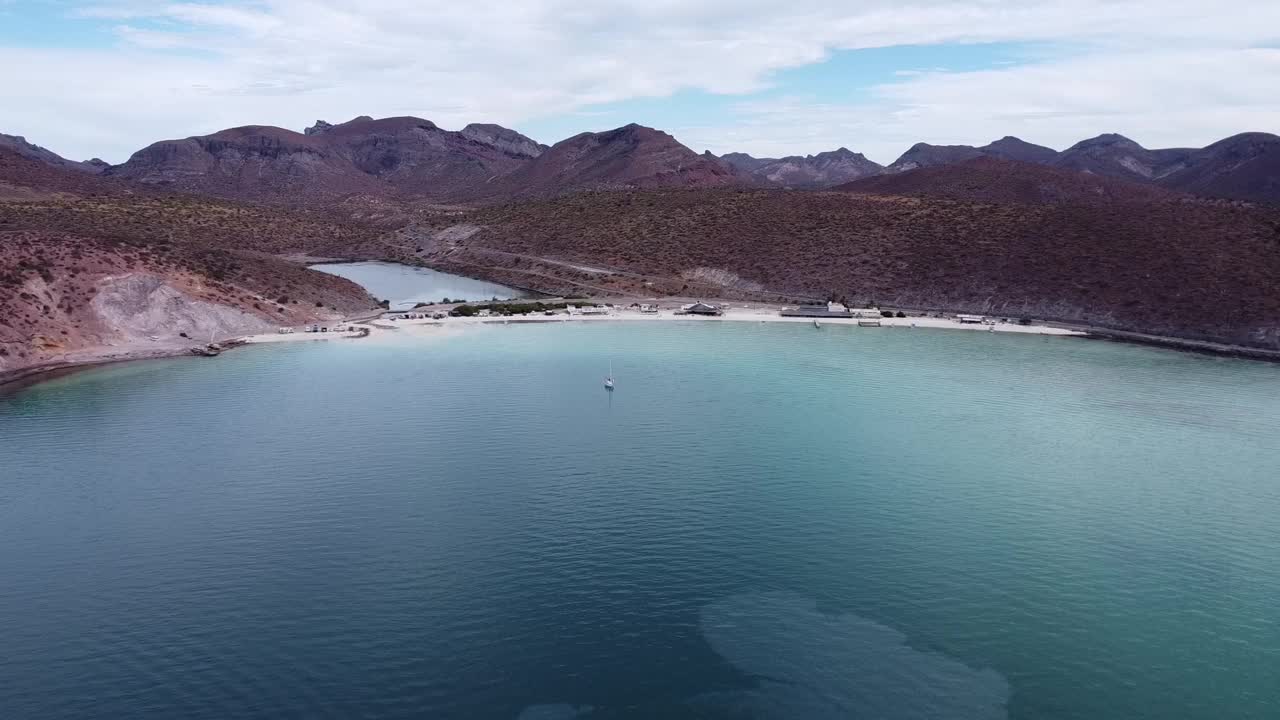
[(608, 380)]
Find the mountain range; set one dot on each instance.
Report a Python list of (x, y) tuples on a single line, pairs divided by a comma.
[(406, 157), (19, 146), (825, 169)]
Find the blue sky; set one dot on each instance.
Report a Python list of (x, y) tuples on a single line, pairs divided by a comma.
[(106, 78)]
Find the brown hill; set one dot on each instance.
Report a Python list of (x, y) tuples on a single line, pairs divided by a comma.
[(1245, 166), (418, 158), (991, 180), (923, 155), (1118, 156), (20, 146), (504, 139), (88, 262), (746, 163), (1176, 267), (24, 178), (1012, 148), (63, 295), (627, 157), (381, 158), (252, 162), (823, 170)]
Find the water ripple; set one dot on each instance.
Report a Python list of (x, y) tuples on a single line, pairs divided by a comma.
[(760, 521)]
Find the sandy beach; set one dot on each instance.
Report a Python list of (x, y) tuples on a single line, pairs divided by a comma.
[(385, 327), (739, 313)]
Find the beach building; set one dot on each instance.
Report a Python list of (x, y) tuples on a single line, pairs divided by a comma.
[(830, 310), (588, 310), (701, 308), (970, 319)]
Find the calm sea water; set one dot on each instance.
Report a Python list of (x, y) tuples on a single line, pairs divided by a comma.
[(763, 521), (405, 286)]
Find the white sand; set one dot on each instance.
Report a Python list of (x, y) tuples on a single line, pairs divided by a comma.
[(384, 327), (739, 314)]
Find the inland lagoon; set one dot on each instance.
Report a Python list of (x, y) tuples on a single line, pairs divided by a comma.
[(405, 286)]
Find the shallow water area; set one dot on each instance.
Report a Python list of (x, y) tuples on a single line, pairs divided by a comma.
[(405, 286), (763, 520)]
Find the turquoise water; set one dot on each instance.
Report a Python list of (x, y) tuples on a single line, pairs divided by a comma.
[(764, 521), (405, 286)]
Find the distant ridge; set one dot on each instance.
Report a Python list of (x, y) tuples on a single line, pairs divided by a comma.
[(994, 180), (811, 171), (1012, 148), (1245, 166), (23, 177), (1118, 156), (923, 155), (632, 156), (20, 146), (386, 157), (408, 157)]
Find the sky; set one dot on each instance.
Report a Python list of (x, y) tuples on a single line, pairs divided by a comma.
[(768, 77)]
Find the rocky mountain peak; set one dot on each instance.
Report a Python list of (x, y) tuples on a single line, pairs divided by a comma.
[(504, 139), (19, 145)]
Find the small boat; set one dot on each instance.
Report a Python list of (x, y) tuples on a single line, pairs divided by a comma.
[(608, 380), (817, 324), (211, 349)]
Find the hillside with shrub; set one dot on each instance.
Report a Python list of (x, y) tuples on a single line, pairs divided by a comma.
[(87, 262), (1173, 266)]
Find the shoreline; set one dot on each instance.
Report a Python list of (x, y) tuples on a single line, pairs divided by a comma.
[(18, 378), (767, 312)]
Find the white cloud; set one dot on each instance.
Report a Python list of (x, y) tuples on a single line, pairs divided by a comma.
[(1173, 69), (1164, 98)]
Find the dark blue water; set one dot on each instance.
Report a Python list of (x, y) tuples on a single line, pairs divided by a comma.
[(761, 522)]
